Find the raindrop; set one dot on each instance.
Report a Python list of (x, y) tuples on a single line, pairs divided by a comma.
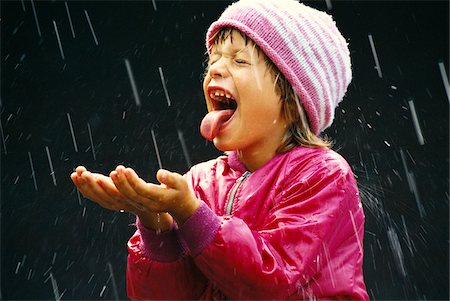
[(113, 280), (3, 138), (163, 81), (416, 122), (17, 267), (375, 56), (356, 232), (36, 18), (444, 79), (52, 172), (156, 149), (408, 239), (70, 19), (415, 191), (48, 270), (158, 230), (55, 288), (154, 5), (327, 256), (183, 146), (103, 290), (133, 83), (396, 251), (72, 133), (90, 26), (91, 140), (59, 40)]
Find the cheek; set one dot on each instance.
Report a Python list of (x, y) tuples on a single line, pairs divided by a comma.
[(206, 81)]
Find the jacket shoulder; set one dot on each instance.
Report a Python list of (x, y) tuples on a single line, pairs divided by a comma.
[(316, 160), (207, 167)]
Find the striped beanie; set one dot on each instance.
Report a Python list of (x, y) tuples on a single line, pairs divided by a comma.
[(303, 43)]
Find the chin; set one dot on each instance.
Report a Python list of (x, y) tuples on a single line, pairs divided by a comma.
[(222, 145)]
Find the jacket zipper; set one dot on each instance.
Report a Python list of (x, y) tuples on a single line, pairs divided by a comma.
[(234, 191)]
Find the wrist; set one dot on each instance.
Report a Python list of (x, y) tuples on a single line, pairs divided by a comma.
[(161, 221), (184, 212)]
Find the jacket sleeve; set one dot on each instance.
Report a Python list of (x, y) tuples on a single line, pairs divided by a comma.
[(158, 267), (279, 259)]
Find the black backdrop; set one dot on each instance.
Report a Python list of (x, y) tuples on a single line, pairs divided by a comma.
[(55, 244)]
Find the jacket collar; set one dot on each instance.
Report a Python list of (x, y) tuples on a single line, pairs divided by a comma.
[(235, 163)]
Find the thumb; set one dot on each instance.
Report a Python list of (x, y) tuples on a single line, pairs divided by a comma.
[(170, 179)]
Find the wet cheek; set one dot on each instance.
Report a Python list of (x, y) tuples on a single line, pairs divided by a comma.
[(206, 80)]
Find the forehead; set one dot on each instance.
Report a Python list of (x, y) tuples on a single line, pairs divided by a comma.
[(233, 40)]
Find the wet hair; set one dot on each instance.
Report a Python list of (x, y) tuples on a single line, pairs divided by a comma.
[(298, 132)]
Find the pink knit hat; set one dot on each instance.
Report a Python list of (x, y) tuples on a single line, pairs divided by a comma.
[(303, 43)]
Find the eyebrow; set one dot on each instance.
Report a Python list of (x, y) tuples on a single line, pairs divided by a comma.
[(234, 51)]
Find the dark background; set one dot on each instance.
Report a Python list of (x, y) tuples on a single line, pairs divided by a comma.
[(55, 244)]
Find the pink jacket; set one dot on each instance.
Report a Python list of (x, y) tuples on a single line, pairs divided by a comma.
[(293, 229)]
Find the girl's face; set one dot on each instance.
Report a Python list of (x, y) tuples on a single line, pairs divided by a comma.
[(239, 83)]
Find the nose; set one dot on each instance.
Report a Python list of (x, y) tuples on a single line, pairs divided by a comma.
[(219, 68)]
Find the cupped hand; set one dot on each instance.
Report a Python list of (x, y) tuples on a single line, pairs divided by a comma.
[(101, 189), (172, 195)]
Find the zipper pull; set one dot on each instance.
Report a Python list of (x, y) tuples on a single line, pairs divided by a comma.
[(234, 191)]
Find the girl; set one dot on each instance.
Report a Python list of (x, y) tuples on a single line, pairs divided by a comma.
[(279, 216)]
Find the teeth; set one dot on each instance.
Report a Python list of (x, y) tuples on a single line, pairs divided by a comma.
[(219, 95)]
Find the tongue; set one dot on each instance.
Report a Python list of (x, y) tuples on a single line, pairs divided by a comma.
[(212, 122)]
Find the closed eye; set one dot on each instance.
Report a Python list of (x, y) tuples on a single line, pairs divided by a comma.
[(240, 61)]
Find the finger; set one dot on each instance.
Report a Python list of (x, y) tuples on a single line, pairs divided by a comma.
[(132, 206), (80, 169), (122, 184), (78, 181), (108, 186), (82, 186), (160, 193), (73, 177), (86, 190), (110, 189), (171, 179), (139, 185), (92, 190)]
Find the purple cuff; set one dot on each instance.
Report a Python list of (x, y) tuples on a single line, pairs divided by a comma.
[(199, 230), (163, 246)]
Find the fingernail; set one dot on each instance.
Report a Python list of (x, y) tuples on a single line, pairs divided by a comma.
[(163, 175)]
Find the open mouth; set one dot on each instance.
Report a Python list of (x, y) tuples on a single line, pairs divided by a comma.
[(223, 107), (222, 99)]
